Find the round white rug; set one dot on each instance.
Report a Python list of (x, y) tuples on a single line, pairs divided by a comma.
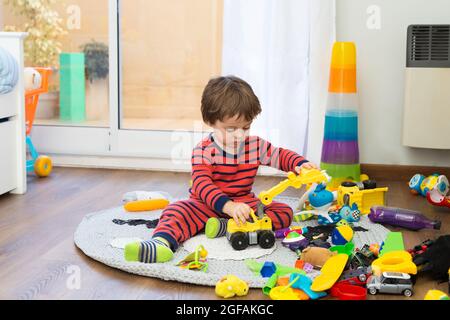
[(101, 239)]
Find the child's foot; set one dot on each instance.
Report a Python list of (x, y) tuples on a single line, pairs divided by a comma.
[(216, 227), (154, 250)]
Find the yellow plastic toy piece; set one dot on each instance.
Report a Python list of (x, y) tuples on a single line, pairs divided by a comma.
[(305, 177), (330, 273), (396, 261), (146, 205), (43, 166), (195, 260), (230, 286), (258, 224), (436, 295), (284, 292), (364, 199)]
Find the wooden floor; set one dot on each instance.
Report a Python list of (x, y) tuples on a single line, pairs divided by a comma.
[(37, 249)]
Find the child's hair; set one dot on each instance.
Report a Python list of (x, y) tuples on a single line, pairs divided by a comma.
[(227, 97)]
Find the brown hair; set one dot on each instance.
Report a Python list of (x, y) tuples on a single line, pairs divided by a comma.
[(226, 97)]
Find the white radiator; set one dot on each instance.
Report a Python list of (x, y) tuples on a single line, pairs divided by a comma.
[(426, 118)]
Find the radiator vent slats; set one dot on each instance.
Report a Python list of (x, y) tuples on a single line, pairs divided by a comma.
[(428, 46)]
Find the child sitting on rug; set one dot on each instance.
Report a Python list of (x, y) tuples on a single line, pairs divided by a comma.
[(224, 166)]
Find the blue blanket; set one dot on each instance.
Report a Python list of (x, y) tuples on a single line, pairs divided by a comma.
[(9, 71)]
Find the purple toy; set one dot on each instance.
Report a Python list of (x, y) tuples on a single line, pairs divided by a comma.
[(399, 217)]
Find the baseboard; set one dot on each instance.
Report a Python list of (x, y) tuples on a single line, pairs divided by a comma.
[(400, 172), (374, 171)]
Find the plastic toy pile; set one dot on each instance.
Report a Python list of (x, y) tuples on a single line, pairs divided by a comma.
[(346, 272)]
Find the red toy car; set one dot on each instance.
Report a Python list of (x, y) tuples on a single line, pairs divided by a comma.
[(356, 277)]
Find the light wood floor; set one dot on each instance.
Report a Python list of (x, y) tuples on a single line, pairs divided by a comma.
[(36, 236)]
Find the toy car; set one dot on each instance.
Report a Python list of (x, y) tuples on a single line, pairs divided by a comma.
[(356, 277), (362, 258), (391, 282), (257, 232)]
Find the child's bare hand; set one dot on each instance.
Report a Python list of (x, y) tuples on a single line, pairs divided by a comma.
[(306, 165), (239, 211)]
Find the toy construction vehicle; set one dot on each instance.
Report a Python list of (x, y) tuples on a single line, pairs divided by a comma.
[(260, 230), (364, 199), (257, 232)]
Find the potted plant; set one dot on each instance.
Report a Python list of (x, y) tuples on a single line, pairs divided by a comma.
[(42, 46), (97, 86)]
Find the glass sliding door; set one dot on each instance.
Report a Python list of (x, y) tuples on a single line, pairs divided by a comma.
[(169, 51)]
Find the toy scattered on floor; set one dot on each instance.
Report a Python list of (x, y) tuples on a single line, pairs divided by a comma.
[(341, 235), (375, 249), (284, 281), (436, 295), (330, 273), (137, 201), (251, 233), (150, 224), (282, 233), (356, 277), (362, 257), (307, 267), (348, 292), (421, 185), (349, 213), (285, 292), (304, 284), (405, 218), (321, 200), (230, 286), (395, 261), (421, 248), (195, 260), (436, 259), (349, 193), (316, 256), (347, 248), (393, 242), (439, 195), (295, 241), (391, 282)]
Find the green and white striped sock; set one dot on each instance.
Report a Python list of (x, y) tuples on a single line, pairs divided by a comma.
[(151, 251), (216, 227)]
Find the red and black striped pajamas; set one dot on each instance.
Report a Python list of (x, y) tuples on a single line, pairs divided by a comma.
[(218, 177)]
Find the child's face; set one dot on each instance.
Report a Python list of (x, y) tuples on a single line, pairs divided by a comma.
[(231, 132)]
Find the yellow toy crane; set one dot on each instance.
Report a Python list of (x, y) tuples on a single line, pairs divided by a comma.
[(260, 230)]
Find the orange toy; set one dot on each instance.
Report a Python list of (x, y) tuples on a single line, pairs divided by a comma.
[(42, 165)]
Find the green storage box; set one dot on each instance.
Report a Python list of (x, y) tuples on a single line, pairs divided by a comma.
[(72, 87)]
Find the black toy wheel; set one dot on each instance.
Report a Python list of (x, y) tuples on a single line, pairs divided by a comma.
[(266, 239), (369, 184), (407, 293), (239, 240), (348, 184)]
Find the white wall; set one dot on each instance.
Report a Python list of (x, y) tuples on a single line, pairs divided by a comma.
[(381, 70)]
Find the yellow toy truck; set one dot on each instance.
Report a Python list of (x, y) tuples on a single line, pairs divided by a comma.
[(257, 232), (364, 199)]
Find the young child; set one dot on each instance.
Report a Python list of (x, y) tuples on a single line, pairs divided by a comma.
[(224, 166)]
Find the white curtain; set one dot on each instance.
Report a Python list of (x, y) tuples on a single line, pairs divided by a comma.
[(268, 44)]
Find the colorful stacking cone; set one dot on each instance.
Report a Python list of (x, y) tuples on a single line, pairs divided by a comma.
[(340, 152)]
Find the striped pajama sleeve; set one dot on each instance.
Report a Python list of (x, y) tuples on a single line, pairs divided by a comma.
[(279, 158)]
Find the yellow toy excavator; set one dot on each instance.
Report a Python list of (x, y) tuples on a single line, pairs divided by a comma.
[(260, 230)]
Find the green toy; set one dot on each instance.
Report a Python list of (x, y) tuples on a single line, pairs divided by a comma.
[(393, 242), (347, 248), (271, 270)]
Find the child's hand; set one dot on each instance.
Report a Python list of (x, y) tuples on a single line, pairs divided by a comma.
[(239, 211), (306, 165)]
